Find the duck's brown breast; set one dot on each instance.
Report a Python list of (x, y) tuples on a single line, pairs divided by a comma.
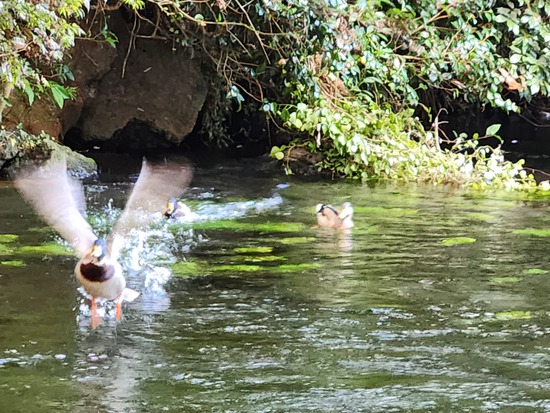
[(96, 273)]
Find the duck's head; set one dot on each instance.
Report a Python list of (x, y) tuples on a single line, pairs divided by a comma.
[(319, 208), (171, 207), (99, 250)]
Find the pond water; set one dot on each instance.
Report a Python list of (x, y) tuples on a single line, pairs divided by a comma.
[(437, 301)]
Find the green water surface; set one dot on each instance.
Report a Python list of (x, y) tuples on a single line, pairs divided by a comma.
[(437, 301)]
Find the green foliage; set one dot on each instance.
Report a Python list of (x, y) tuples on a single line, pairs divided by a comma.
[(350, 90), (346, 78), (35, 35), (18, 143)]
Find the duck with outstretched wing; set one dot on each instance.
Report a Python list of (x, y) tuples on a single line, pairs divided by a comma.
[(59, 199)]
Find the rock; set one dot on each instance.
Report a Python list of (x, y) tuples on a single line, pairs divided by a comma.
[(78, 165), (155, 83), (303, 162)]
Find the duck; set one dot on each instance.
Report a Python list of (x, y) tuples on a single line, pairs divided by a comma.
[(59, 200), (178, 210), (328, 217)]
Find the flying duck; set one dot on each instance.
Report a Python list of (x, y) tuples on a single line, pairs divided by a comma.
[(59, 199)]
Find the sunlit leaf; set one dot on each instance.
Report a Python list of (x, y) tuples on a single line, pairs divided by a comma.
[(492, 130)]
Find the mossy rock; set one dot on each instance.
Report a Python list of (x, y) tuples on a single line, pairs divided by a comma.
[(78, 164)]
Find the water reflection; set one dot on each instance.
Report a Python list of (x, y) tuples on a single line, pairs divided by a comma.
[(382, 318)]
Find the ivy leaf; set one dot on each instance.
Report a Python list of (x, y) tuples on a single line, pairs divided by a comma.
[(492, 130), (59, 94), (515, 58), (29, 92)]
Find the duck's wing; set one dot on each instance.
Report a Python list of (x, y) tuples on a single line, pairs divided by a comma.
[(59, 200), (346, 212), (157, 182), (329, 211)]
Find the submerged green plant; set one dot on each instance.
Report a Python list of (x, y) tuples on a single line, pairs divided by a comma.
[(262, 258), (7, 238), (457, 241), (6, 249), (13, 263), (296, 240), (513, 315), (184, 268), (534, 232), (247, 250), (234, 225), (505, 280), (535, 271), (238, 268), (49, 248), (286, 268)]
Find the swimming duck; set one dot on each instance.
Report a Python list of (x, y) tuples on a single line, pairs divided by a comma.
[(178, 210), (328, 217), (60, 201)]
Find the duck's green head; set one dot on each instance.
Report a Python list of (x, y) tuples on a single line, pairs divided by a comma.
[(171, 207), (99, 249)]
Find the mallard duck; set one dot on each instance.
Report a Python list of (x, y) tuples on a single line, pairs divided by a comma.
[(328, 217), (60, 201), (178, 210)]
